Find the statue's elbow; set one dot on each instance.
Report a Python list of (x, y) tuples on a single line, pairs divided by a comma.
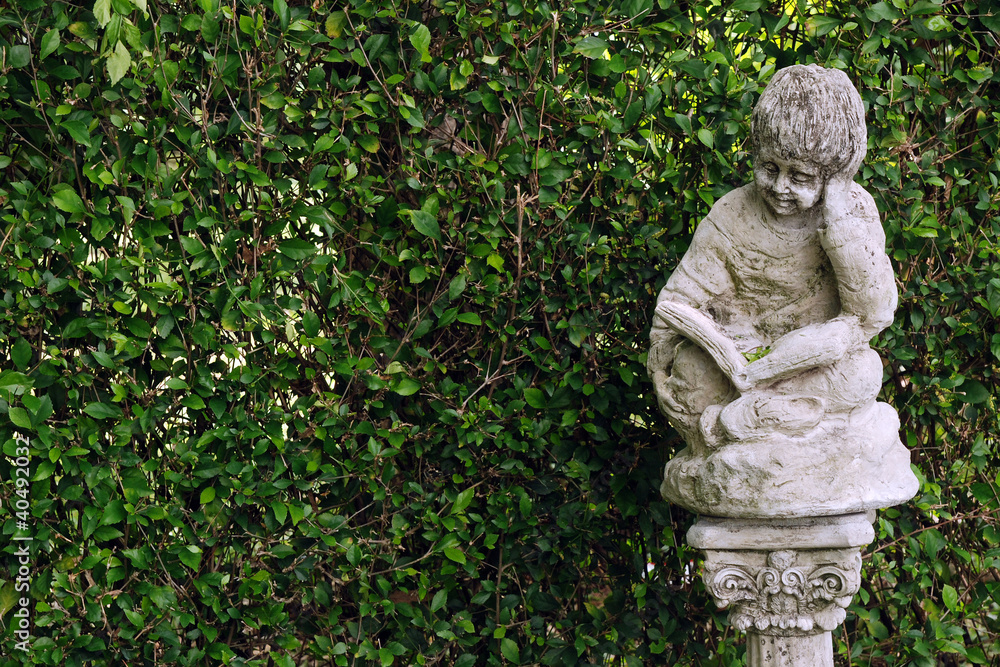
[(879, 320)]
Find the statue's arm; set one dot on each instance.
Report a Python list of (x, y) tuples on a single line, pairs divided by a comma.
[(700, 276), (854, 240), (811, 346)]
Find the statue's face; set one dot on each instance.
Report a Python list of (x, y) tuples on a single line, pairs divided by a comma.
[(788, 186)]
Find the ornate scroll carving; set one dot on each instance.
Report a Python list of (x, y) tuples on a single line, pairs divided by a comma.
[(784, 593)]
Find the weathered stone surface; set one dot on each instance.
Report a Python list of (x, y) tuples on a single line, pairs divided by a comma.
[(835, 469), (786, 582), (834, 532), (811, 651), (788, 593), (760, 349)]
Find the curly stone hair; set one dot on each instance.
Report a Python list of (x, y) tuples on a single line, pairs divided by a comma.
[(814, 114)]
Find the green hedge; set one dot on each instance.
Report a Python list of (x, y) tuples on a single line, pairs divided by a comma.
[(326, 323)]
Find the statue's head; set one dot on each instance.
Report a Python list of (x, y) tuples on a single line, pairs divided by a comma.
[(811, 115)]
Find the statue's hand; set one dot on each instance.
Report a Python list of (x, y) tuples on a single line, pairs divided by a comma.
[(743, 380), (812, 346), (660, 357), (837, 204)]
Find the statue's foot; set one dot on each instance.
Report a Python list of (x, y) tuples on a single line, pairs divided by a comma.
[(711, 432), (753, 415)]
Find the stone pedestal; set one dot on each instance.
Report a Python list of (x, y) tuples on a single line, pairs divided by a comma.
[(787, 582)]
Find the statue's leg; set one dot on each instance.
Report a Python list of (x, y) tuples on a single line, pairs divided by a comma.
[(798, 404), (852, 382), (695, 383), (761, 412)]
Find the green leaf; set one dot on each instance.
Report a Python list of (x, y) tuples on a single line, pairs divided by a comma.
[(495, 260), (418, 274), (939, 24), (557, 173), (78, 131), (534, 397), (274, 101), (881, 11), (8, 597), (420, 38), (310, 323), (510, 651), (207, 495), (950, 597), (974, 392), (334, 25), (354, 555), (976, 656), (470, 318), (982, 73), (297, 249), (114, 512), (591, 47), (102, 12), (50, 42), (68, 201), (247, 24), (190, 555), (210, 29), (82, 30), (426, 224), (705, 136), (14, 382), (406, 387), (118, 62), (455, 554), (280, 511), (368, 142), (456, 286), (103, 411), (20, 353), (103, 358), (177, 384), (440, 599), (462, 501), (19, 56), (40, 407), (281, 9), (633, 113), (823, 24), (19, 417)]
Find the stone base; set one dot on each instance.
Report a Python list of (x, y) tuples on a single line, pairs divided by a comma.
[(787, 582), (838, 468)]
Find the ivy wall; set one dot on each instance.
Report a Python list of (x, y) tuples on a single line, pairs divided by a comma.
[(325, 324)]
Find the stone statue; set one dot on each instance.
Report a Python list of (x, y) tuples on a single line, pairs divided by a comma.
[(760, 349)]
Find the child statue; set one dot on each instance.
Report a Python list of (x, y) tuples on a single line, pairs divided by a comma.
[(760, 349)]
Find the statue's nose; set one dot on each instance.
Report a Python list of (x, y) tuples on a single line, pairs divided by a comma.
[(781, 182)]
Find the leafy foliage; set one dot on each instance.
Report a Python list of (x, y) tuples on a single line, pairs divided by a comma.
[(327, 321)]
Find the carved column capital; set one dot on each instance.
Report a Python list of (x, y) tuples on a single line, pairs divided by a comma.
[(786, 593)]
